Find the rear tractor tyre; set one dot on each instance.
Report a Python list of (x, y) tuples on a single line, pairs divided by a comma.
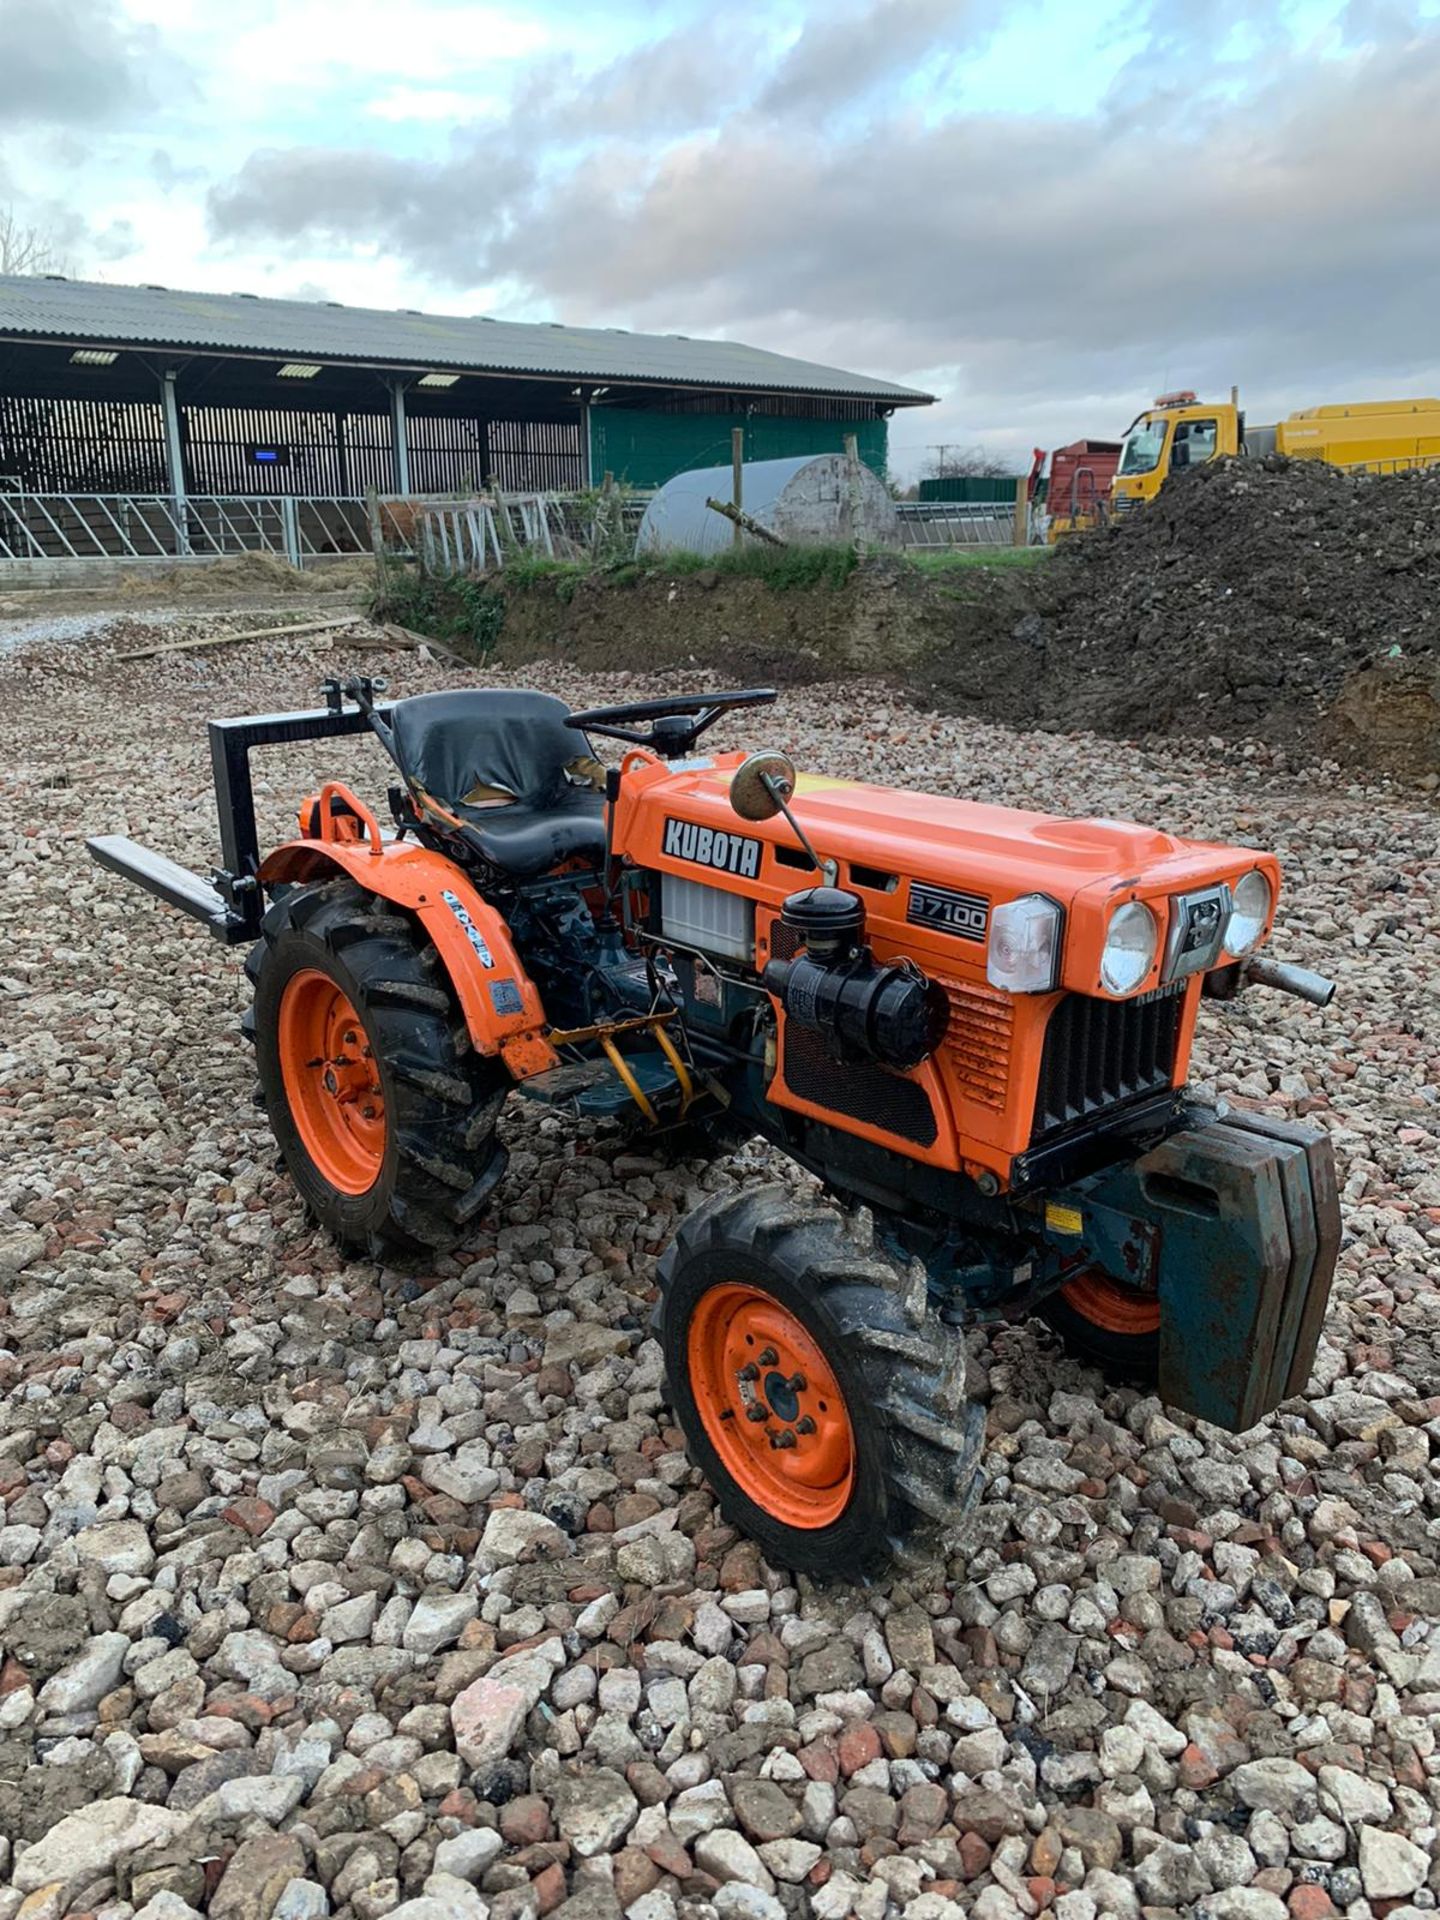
[(384, 1113), (815, 1386), (1113, 1326)]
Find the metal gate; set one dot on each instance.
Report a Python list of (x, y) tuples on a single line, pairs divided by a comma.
[(154, 526)]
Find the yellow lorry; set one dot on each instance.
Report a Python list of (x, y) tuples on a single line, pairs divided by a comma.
[(1377, 436)]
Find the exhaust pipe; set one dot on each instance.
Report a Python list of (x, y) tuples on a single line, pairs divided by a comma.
[(1305, 985)]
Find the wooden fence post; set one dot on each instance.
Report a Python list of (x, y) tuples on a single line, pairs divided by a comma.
[(1021, 536), (737, 481), (852, 489)]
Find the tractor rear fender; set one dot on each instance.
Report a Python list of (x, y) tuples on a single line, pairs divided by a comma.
[(499, 1000)]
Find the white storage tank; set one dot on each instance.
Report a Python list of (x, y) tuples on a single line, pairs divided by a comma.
[(810, 500)]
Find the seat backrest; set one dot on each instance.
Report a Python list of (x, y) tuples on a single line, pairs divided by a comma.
[(509, 740)]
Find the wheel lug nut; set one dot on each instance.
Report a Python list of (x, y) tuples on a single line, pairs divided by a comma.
[(757, 1413), (748, 1372), (805, 1424), (782, 1440), (797, 1383), (769, 1357)]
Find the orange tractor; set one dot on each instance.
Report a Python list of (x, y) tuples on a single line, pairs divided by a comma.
[(971, 1025)]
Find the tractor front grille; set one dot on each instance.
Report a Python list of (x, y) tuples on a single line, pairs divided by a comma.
[(860, 1090), (977, 1040), (1102, 1054)]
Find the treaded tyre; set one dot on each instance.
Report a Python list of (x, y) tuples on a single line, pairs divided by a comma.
[(1114, 1326), (775, 1323), (384, 1114)]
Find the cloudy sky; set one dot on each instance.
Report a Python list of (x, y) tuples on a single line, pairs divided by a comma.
[(1043, 211)]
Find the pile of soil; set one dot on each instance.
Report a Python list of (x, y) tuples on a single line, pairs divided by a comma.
[(1282, 600), (250, 573)]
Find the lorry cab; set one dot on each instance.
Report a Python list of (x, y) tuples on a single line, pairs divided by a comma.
[(1178, 431), (1372, 436)]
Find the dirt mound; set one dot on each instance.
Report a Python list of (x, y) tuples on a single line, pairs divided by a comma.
[(882, 619), (250, 573), (1280, 599)]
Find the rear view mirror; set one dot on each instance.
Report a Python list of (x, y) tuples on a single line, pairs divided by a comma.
[(763, 783)]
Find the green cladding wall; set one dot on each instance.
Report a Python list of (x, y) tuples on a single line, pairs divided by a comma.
[(971, 487), (646, 449)]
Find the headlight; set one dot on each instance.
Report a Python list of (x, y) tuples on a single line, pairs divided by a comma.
[(1129, 951), (1253, 900), (1024, 954)]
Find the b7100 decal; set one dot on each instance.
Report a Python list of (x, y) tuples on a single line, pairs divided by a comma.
[(966, 915)]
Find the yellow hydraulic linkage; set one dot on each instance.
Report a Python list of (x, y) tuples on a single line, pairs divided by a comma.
[(608, 1033)]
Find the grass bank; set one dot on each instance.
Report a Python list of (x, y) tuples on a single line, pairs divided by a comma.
[(472, 611)]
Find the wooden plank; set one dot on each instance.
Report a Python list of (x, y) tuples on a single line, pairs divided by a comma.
[(392, 639), (408, 640), (743, 522), (249, 633)]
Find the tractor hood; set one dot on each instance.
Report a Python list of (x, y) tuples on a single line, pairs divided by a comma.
[(886, 842)]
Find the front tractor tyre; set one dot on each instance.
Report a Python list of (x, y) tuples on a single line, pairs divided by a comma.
[(817, 1390), (1108, 1323), (383, 1112)]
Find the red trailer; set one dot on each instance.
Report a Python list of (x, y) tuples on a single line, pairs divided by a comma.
[(1079, 492)]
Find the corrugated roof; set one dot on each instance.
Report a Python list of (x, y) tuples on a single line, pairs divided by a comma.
[(46, 308)]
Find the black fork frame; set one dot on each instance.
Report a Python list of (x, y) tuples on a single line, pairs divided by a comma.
[(231, 743), (232, 904)]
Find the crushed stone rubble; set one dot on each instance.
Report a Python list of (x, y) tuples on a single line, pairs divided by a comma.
[(333, 1591)]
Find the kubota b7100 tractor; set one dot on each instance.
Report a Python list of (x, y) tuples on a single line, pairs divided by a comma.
[(972, 1025)]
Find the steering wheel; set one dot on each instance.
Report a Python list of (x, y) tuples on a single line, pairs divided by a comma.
[(676, 722)]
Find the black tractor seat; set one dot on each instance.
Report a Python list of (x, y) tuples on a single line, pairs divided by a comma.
[(528, 789)]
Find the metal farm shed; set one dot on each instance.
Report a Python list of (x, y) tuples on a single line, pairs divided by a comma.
[(148, 394)]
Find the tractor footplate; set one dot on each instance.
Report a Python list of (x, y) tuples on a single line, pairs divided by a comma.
[(593, 1090), (562, 1086)]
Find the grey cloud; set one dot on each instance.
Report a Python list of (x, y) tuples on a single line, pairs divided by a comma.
[(843, 55), (681, 81), (1298, 208), (327, 194), (117, 241), (1365, 21), (72, 62), (432, 213), (1266, 235), (169, 173)]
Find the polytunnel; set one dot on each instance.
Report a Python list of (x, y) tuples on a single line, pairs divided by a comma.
[(810, 500)]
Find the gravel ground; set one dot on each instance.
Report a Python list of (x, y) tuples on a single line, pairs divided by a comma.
[(324, 1590)]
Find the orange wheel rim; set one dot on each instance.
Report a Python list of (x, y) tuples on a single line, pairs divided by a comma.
[(1110, 1305), (758, 1376), (331, 1082)]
